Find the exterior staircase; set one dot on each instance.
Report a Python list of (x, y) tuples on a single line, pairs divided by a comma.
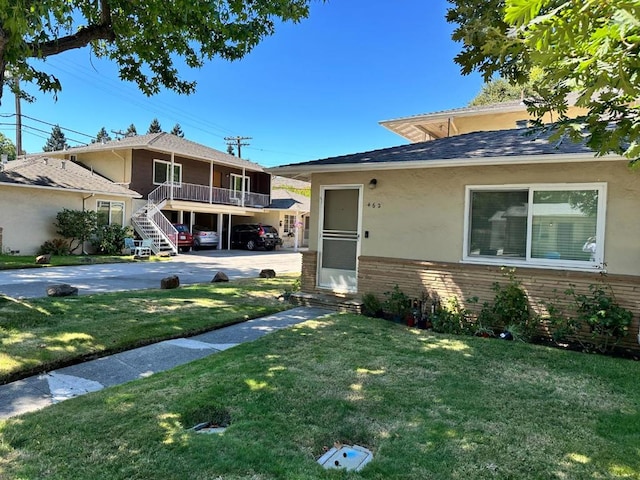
[(150, 223)]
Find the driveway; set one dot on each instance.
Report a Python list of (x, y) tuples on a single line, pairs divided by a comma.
[(194, 267)]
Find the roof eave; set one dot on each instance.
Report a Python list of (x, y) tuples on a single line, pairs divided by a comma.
[(305, 171), (71, 190)]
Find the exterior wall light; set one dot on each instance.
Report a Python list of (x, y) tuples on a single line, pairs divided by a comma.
[(373, 183)]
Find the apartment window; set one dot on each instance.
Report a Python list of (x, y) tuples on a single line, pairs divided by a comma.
[(162, 172), (110, 213), (546, 225), (236, 185), (289, 224)]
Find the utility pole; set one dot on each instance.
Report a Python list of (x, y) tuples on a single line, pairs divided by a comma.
[(237, 142), (18, 119)]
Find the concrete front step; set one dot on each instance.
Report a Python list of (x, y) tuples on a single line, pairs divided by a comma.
[(338, 303)]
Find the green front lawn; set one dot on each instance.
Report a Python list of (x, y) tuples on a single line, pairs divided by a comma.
[(41, 334), (10, 262), (429, 406)]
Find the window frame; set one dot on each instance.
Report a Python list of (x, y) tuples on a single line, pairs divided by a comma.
[(110, 203), (235, 193), (289, 223), (167, 165), (528, 260)]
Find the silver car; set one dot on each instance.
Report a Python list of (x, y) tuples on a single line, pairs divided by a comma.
[(204, 237)]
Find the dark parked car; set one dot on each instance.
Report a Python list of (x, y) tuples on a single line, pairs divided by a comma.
[(255, 235), (185, 240)]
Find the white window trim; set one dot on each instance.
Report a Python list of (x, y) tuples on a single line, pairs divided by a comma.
[(598, 264), (247, 187), (111, 202), (176, 183)]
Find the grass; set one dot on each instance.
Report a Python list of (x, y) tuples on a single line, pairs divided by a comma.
[(41, 334), (10, 262), (429, 406)]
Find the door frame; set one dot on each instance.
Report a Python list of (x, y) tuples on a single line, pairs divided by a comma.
[(323, 189)]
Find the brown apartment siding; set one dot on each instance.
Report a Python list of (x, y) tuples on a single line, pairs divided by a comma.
[(193, 171), (378, 275)]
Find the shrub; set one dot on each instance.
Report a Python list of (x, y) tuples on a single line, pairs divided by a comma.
[(607, 320), (598, 311), (511, 307), (109, 239), (452, 318), (397, 303), (57, 246), (371, 306), (76, 225)]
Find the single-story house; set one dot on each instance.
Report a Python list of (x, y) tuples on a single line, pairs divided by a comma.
[(34, 190), (444, 215)]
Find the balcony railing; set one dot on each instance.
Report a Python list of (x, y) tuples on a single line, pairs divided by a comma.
[(205, 194)]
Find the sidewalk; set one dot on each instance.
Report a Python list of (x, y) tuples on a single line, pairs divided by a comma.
[(37, 392)]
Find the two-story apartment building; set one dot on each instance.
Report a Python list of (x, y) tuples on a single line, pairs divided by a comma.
[(179, 181)]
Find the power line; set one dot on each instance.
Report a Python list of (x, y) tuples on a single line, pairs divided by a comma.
[(238, 143)]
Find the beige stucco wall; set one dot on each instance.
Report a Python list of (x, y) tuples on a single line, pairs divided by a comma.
[(28, 218), (419, 213), (116, 166)]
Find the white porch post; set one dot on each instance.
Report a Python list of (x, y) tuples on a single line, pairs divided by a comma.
[(244, 183), (220, 224), (171, 169), (295, 234), (229, 234), (210, 182)]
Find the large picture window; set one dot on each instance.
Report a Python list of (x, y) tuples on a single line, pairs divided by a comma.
[(550, 225), (110, 213), (162, 172)]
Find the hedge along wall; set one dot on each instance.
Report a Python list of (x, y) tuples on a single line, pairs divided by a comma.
[(378, 275)]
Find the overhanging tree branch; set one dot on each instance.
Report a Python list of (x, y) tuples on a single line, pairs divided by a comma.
[(81, 38)]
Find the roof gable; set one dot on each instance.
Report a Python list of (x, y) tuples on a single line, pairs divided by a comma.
[(168, 143), (57, 173)]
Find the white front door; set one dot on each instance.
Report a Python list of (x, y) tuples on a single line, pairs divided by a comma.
[(339, 242)]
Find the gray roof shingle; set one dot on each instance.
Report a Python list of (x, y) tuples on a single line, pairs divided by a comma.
[(56, 173), (167, 142), (285, 200), (476, 145)]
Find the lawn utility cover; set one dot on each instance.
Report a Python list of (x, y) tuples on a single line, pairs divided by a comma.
[(348, 457)]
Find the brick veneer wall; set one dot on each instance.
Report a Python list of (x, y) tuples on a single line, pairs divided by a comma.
[(378, 275), (309, 268)]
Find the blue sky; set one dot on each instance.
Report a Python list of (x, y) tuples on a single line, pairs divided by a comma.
[(313, 90)]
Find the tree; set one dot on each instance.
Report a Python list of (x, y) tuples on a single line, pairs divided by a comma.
[(590, 48), (146, 38), (155, 127), (56, 141), (76, 226), (7, 147), (102, 136), (131, 131), (230, 149), (177, 131)]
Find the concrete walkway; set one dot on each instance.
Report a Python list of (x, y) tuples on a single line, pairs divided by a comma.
[(40, 391)]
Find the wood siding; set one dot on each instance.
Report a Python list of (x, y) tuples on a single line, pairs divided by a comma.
[(193, 171)]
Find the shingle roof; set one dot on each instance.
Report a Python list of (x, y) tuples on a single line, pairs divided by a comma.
[(286, 200), (477, 109), (493, 144), (56, 173), (167, 142)]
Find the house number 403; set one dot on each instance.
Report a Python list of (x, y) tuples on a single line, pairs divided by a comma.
[(374, 205)]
